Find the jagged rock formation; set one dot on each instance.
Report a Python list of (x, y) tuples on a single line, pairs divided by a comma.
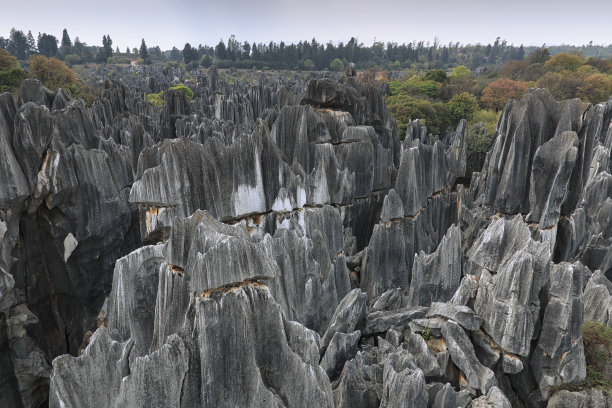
[(276, 244)]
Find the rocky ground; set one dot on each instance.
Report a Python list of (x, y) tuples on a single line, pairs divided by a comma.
[(277, 245)]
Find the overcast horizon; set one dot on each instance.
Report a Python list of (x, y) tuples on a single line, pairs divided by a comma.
[(205, 22)]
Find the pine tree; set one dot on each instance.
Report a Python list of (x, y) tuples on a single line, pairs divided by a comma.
[(47, 45), (108, 47), (190, 54), (144, 52), (18, 44), (66, 42), (31, 44)]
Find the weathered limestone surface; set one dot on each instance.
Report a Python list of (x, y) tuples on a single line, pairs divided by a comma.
[(559, 355), (462, 353), (436, 277), (510, 281)]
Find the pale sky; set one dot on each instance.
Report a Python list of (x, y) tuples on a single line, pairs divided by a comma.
[(173, 23)]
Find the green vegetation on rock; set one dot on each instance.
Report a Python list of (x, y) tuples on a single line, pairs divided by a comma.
[(157, 99)]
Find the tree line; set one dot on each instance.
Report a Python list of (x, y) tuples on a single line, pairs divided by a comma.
[(309, 54), (304, 55)]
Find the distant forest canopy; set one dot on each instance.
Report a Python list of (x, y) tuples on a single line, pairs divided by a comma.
[(305, 55)]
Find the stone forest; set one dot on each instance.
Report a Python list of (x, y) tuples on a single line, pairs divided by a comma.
[(282, 244)]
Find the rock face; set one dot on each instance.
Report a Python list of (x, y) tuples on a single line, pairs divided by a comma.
[(559, 356), (462, 353), (269, 371), (436, 277), (272, 358), (278, 245)]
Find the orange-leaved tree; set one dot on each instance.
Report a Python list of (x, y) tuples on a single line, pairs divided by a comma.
[(499, 92)]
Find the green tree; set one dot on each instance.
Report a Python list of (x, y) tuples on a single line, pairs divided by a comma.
[(206, 61), (221, 52), (107, 49), (72, 59), (601, 64), (564, 61), (406, 108), (31, 50), (47, 45), (18, 44), (460, 107), (11, 73), (336, 65), (66, 45), (66, 42), (460, 72), (515, 69), (539, 56), (479, 138), (561, 85), (190, 54), (414, 86), (144, 52), (175, 54), (596, 88), (308, 64), (436, 75)]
